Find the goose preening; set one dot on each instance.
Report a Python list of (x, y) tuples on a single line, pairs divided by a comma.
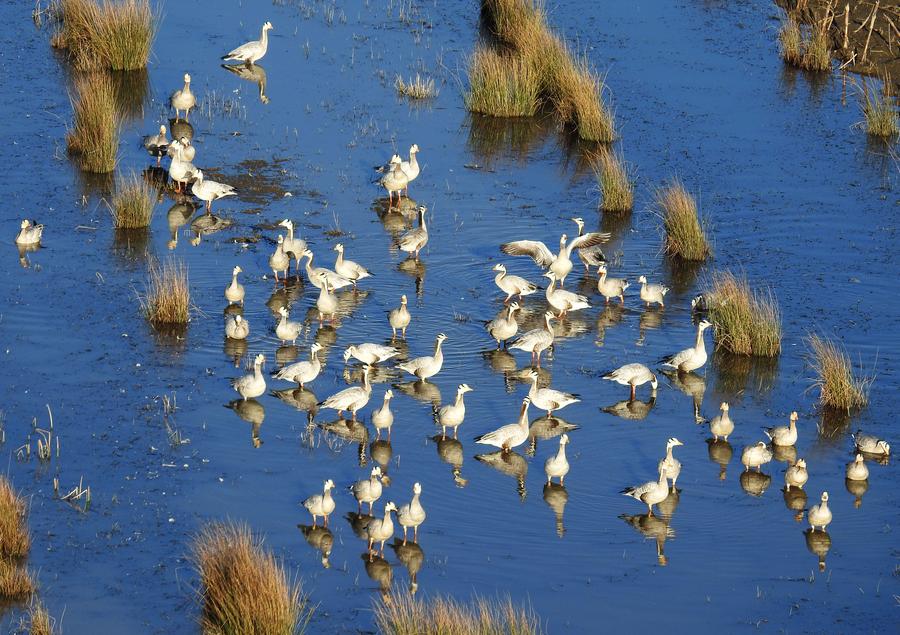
[(669, 464), (399, 318), (650, 493), (286, 330), (512, 285), (557, 466), (429, 365), (871, 444), (722, 425), (182, 147), (210, 191), (383, 418), (183, 99), (237, 328), (250, 52), (280, 261), (353, 398), (369, 353), (756, 456), (157, 145), (380, 529), (504, 326), (353, 271), (611, 287), (511, 435), (302, 372), (395, 180), (536, 341), (181, 170), (452, 415), (783, 435), (415, 240), (652, 293), (367, 490), (29, 233), (796, 475), (234, 292), (857, 470), (819, 515), (254, 384), (589, 256), (690, 358), (559, 263), (412, 515), (561, 300), (321, 504), (547, 398), (633, 375), (335, 281), (293, 247)]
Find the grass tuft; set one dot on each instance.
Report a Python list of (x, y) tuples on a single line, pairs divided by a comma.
[(790, 42), (880, 110), (403, 614), (16, 582), (615, 182), (133, 202), (685, 235), (416, 88), (168, 297), (747, 322), (39, 620), (94, 137), (15, 540), (838, 387), (817, 51), (501, 85), (244, 589), (807, 48), (106, 35), (579, 103)]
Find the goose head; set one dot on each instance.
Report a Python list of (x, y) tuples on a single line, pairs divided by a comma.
[(238, 319), (548, 316), (283, 312), (563, 239), (307, 254), (260, 359), (396, 160), (800, 463), (704, 324), (550, 275), (339, 248), (514, 306), (724, 407), (417, 488), (525, 403), (390, 507), (414, 148), (268, 26), (162, 130), (403, 299), (884, 446), (859, 458), (440, 338), (198, 176), (187, 78), (672, 442), (329, 485), (642, 279), (349, 353), (580, 222), (601, 268), (388, 394), (422, 209), (287, 223), (315, 348), (564, 439), (236, 270), (463, 389), (376, 472), (824, 497), (498, 267), (25, 224)]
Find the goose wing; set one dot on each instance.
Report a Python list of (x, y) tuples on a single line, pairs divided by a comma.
[(590, 239), (534, 249)]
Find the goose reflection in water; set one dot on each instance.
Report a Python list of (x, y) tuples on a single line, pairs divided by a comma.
[(856, 489), (611, 315), (412, 558), (655, 528), (633, 410), (302, 399), (251, 411), (510, 463), (381, 452), (795, 500), (415, 269), (380, 572), (348, 430), (450, 451), (285, 355), (319, 538), (422, 390), (692, 385), (235, 350), (255, 74), (546, 427), (284, 297), (556, 496), (24, 250), (651, 319), (819, 544), (755, 483), (179, 214), (720, 452)]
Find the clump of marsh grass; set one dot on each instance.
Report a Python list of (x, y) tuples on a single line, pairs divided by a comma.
[(168, 296), (501, 85), (615, 182), (244, 589), (133, 202), (106, 35), (817, 50), (416, 88), (747, 322), (94, 137), (685, 235), (403, 614), (838, 387), (790, 42), (809, 49), (16, 582), (577, 97), (880, 110), (39, 620), (15, 540)]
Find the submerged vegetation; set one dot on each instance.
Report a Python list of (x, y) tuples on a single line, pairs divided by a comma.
[(244, 589), (402, 614), (747, 322), (105, 35), (685, 235), (838, 387), (879, 107), (94, 137), (615, 183), (133, 202), (168, 296), (416, 88)]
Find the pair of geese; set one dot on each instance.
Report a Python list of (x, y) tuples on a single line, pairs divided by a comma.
[(654, 492), (398, 174)]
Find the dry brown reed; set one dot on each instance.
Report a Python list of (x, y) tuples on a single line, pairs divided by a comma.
[(168, 296), (94, 137), (417, 87), (790, 41), (133, 202), (501, 85), (685, 235), (808, 48), (879, 107), (244, 589), (106, 35), (39, 620), (615, 182), (15, 540), (747, 322), (838, 387), (16, 582)]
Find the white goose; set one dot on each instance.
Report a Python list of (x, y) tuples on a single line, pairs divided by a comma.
[(536, 341), (611, 287), (504, 326), (722, 425), (184, 99), (353, 271), (784, 435), (563, 301), (820, 515), (857, 470), (690, 358), (250, 52), (589, 256), (557, 466), (181, 170), (280, 261), (156, 145), (210, 191), (383, 418), (511, 435), (321, 504), (411, 168), (871, 444), (669, 464), (29, 233), (252, 385), (293, 247), (756, 456), (399, 318), (395, 180), (547, 398), (429, 365), (353, 398), (796, 475), (415, 240), (650, 493), (327, 303), (652, 293), (512, 285), (237, 328), (369, 353), (633, 375), (367, 490), (413, 514), (335, 281), (234, 292), (452, 415), (183, 148), (380, 529), (559, 263), (303, 372), (286, 330)]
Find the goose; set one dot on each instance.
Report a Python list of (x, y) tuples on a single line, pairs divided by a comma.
[(669, 463), (321, 504), (690, 358), (512, 285), (335, 281), (302, 372), (237, 328), (722, 425), (547, 398), (504, 327), (611, 287), (562, 300), (352, 398), (755, 456), (783, 435), (210, 191), (29, 233), (156, 145), (380, 529), (700, 303), (452, 415), (589, 256), (557, 466), (429, 365), (796, 475), (633, 375), (184, 99), (369, 353), (280, 261), (511, 435), (652, 293), (415, 239), (252, 385), (394, 181), (234, 292), (287, 331), (559, 263), (399, 318), (183, 147), (857, 470), (253, 51), (354, 272), (293, 247), (650, 493), (383, 418), (412, 515), (536, 341), (181, 170), (411, 168), (871, 444), (327, 302), (367, 490), (819, 515)]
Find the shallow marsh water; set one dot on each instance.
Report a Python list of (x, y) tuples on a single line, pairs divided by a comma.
[(794, 195)]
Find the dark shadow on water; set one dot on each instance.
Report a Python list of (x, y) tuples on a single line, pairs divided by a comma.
[(412, 557), (794, 79), (492, 140), (857, 489), (834, 426), (93, 185), (133, 246), (795, 500), (654, 528), (743, 375), (617, 225), (170, 337), (450, 451), (633, 410), (681, 276)]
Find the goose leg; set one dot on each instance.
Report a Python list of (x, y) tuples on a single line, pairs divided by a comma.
[(632, 392), (404, 536), (416, 534)]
